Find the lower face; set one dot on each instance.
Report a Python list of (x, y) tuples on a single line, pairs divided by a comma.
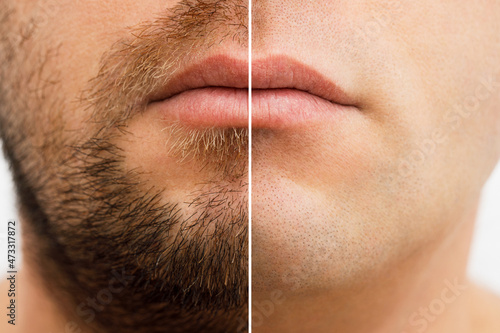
[(155, 200), (334, 202), (337, 202)]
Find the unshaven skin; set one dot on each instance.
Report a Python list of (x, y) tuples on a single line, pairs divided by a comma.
[(135, 222), (364, 218)]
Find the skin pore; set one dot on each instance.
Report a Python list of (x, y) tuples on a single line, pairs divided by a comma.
[(358, 224), (368, 217), (135, 223)]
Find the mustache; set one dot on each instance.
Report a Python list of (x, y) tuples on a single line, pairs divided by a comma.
[(135, 67)]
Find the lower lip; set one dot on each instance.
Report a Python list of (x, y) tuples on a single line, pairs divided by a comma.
[(228, 107)]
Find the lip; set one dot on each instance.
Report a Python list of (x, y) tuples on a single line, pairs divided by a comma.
[(214, 93)]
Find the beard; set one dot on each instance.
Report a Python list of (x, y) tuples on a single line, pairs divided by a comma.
[(174, 272), (115, 251)]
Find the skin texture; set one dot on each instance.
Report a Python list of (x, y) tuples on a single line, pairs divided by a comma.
[(367, 215), (358, 222), (137, 223)]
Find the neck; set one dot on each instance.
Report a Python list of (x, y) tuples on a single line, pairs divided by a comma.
[(427, 292)]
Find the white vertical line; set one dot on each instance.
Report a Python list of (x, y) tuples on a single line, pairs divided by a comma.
[(250, 166)]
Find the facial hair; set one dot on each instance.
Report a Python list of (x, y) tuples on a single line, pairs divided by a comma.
[(117, 257)]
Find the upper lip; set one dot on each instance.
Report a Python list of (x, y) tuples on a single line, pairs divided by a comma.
[(274, 72), (282, 72)]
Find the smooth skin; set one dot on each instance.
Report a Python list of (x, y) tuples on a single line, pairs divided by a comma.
[(360, 222)]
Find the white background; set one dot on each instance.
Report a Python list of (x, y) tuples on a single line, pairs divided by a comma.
[(484, 266)]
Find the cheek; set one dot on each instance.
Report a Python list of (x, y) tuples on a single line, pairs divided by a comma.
[(67, 40)]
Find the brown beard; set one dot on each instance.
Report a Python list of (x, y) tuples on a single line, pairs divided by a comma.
[(116, 256)]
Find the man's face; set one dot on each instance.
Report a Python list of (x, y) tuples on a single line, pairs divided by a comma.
[(340, 199), (338, 195), (113, 179)]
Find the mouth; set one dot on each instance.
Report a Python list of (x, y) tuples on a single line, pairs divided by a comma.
[(215, 93)]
